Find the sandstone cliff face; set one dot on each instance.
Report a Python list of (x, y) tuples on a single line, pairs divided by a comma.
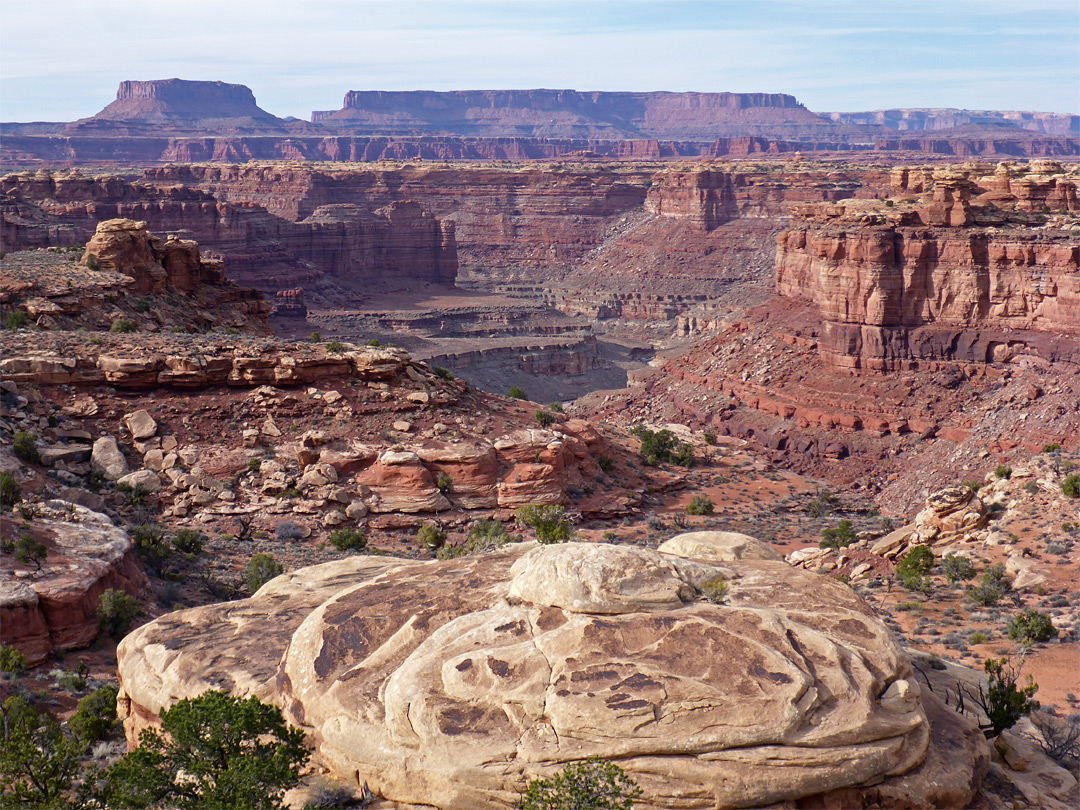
[(890, 291), (455, 697)]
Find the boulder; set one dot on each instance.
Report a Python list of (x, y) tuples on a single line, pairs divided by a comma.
[(141, 425), (147, 479), (451, 684), (718, 547), (951, 515), (106, 456)]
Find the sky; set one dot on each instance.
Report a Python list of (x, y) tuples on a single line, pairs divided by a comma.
[(62, 59)]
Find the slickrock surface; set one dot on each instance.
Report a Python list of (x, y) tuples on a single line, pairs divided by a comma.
[(451, 684), (54, 607)]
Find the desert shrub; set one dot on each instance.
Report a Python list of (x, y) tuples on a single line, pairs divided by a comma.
[(443, 373), (188, 541), (957, 568), (556, 407), (116, 611), (1060, 738), (1001, 471), (335, 347), (545, 418), (709, 436), (1005, 702), (916, 563), (92, 262), (95, 717), (330, 794), (1031, 627), (10, 491), (980, 637), (992, 586), (1070, 487), (134, 495), (374, 343), (661, 446), (348, 540), (444, 483), (16, 320), (547, 522), (821, 505), (700, 505), (152, 546), (517, 393), (316, 337), (607, 463), (1031, 488), (1051, 448), (1054, 547), (451, 552), (212, 752), (141, 306), (73, 682), (592, 784), (974, 486), (28, 550), (261, 569), (715, 589), (38, 762), (840, 537), (25, 447), (288, 530), (484, 536), (254, 465), (430, 537), (122, 326), (12, 661)]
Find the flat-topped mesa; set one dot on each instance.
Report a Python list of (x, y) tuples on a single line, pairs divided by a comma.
[(944, 279), (574, 114), (177, 104)]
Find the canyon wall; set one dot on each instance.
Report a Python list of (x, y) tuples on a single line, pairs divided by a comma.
[(944, 277)]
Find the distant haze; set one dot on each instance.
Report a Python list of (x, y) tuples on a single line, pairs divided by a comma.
[(62, 59)]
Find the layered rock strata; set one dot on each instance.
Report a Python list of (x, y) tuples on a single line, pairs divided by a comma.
[(452, 684)]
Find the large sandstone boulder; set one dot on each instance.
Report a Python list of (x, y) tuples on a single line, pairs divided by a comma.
[(718, 547), (126, 246), (106, 456), (451, 684), (951, 515)]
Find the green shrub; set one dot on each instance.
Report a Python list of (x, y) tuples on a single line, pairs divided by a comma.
[(1031, 488), (122, 326), (1001, 471), (95, 718), (1005, 703), (443, 373), (709, 436), (117, 610), (72, 682), (12, 661), (556, 407), (1051, 448), (483, 536), (1031, 627), (545, 418), (261, 569), (974, 486), (980, 637), (700, 505), (335, 347), (316, 337), (38, 762), (661, 446), (607, 463), (16, 320), (142, 306), (92, 262), (517, 393), (28, 550), (348, 540), (430, 537), (188, 541), (444, 483), (592, 784), (152, 546), (547, 522), (991, 587), (451, 552), (1070, 487), (212, 752), (715, 589), (916, 563), (957, 568), (373, 343), (840, 537), (25, 447), (10, 491)]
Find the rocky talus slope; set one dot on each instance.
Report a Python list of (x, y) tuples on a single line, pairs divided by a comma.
[(451, 684)]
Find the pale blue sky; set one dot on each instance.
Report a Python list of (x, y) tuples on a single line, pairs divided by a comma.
[(63, 59)]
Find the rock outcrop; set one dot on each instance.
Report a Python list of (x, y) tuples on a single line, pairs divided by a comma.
[(451, 684), (54, 607)]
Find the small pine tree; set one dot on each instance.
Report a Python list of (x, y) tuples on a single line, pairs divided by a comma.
[(592, 784)]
